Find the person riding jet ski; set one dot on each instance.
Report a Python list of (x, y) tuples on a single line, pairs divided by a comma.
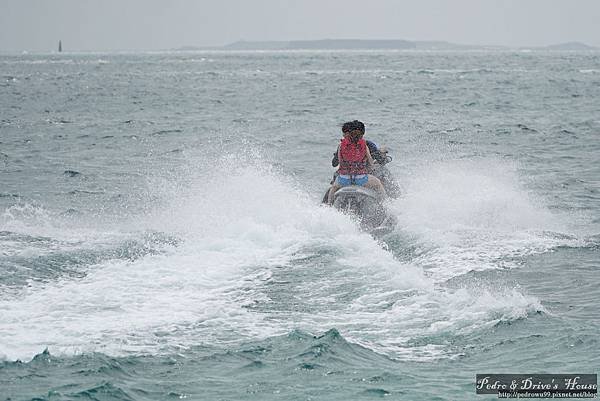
[(379, 155), (354, 159)]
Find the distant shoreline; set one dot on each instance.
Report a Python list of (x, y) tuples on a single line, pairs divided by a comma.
[(387, 44), (332, 45)]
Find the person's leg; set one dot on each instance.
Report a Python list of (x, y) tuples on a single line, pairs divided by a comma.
[(335, 176), (375, 184), (332, 190)]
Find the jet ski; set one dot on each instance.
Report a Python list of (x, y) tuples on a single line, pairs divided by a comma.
[(366, 204)]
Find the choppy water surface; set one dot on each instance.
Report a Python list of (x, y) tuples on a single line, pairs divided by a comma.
[(161, 235)]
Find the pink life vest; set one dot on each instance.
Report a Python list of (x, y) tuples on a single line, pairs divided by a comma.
[(353, 157)]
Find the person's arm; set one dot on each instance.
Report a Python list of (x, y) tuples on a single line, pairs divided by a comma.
[(369, 158), (374, 150), (336, 158)]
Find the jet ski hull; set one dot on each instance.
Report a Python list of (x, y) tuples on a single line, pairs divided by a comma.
[(367, 206)]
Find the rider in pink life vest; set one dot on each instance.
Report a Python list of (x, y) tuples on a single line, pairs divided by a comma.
[(354, 158)]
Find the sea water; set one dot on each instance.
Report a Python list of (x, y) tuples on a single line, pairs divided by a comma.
[(161, 233)]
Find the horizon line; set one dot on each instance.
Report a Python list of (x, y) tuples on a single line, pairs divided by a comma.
[(224, 47)]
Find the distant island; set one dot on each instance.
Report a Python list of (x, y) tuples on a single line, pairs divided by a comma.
[(324, 44), (571, 46), (371, 44)]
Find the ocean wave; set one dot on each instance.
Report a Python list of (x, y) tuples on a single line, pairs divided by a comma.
[(476, 214), (244, 267)]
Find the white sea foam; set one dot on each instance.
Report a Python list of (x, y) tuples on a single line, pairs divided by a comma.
[(230, 229), (475, 215), (399, 328), (235, 230)]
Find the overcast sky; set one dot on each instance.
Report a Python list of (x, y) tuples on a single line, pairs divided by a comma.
[(37, 25)]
